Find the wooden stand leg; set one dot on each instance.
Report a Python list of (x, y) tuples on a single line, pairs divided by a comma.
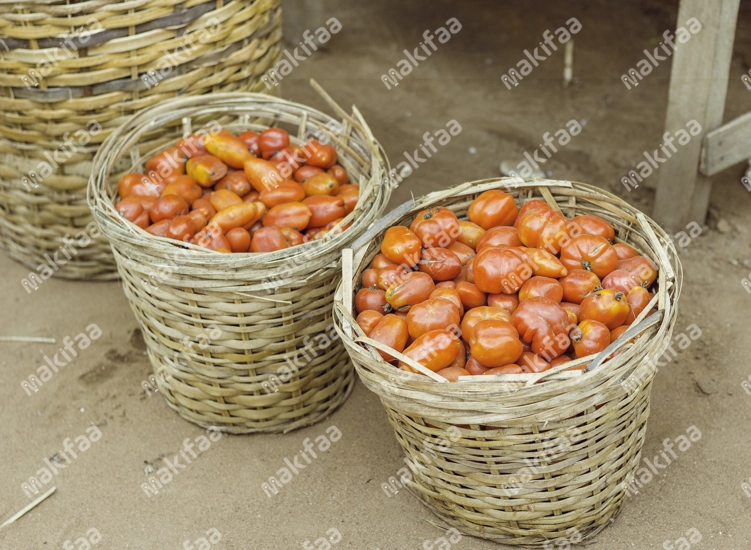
[(698, 86)]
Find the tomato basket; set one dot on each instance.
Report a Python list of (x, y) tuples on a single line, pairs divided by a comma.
[(523, 459), (72, 73), (244, 342)]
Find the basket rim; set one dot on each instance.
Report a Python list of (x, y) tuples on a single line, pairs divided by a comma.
[(119, 230), (401, 385)]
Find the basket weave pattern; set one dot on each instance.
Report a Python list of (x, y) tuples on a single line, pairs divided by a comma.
[(222, 328), (524, 462), (64, 64)]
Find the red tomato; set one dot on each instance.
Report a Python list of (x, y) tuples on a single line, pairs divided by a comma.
[(606, 306), (368, 319), (483, 313), (401, 246), (391, 331), (138, 185), (532, 363), (269, 239), (470, 295), (305, 172), (168, 207), (624, 251), (499, 236), (590, 253), (637, 298), (159, 229), (293, 236), (390, 275), (169, 162), (283, 193), (293, 214), (204, 206), (495, 343), (578, 284), (320, 155), (436, 227), (543, 324), (380, 261), (237, 182), (370, 277), (434, 350), (621, 280), (641, 267), (493, 208), (590, 337), (181, 228), (470, 234), (431, 315), (541, 286), (509, 302), (501, 270), (474, 368), (251, 141), (239, 239), (440, 263), (413, 288), (594, 225), (129, 209), (272, 140), (324, 209), (368, 298), (340, 174)]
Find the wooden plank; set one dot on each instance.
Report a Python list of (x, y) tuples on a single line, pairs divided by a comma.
[(698, 86), (727, 145)]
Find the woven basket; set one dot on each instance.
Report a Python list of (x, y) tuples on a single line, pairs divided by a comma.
[(110, 59), (222, 328), (486, 453)]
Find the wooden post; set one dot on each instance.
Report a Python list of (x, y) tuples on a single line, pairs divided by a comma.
[(698, 86)]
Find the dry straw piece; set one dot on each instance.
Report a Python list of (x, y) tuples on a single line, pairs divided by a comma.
[(243, 342), (64, 64), (504, 457)]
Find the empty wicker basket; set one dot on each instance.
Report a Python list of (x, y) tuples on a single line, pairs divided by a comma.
[(513, 460), (243, 342), (74, 71)]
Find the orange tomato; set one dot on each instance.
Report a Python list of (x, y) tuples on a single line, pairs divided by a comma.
[(591, 253), (380, 261), (543, 324), (268, 239), (371, 298), (340, 174), (440, 263), (474, 368), (499, 270), (167, 207), (251, 139), (573, 311), (492, 209), (324, 210), (321, 184), (482, 313), (606, 306), (239, 239), (293, 236), (368, 319), (509, 302), (453, 373), (370, 277), (637, 298), (253, 196), (470, 295), (431, 315), (169, 162), (625, 251), (594, 225), (292, 214), (285, 192), (578, 284), (181, 228), (305, 172), (532, 363), (390, 275), (400, 246), (641, 267), (621, 281), (350, 199), (138, 185), (543, 228), (513, 368), (450, 295), (203, 205), (129, 209), (469, 234), (462, 251), (435, 350), (206, 170), (159, 229), (530, 205), (392, 332), (541, 286), (436, 227), (499, 236), (590, 337), (495, 343), (272, 140), (199, 220), (191, 146), (543, 263), (320, 155), (185, 187), (413, 288)]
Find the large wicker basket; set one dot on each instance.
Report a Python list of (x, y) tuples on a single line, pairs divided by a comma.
[(244, 342), (511, 459), (65, 64)]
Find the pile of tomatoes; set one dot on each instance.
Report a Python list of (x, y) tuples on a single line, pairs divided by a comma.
[(508, 291), (250, 192)]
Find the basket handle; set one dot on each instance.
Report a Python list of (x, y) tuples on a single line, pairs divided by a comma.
[(382, 224)]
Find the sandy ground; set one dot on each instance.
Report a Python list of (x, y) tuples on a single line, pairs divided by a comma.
[(221, 489)]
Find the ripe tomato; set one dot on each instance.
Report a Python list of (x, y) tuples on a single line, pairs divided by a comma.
[(578, 284), (380, 261), (483, 313), (401, 246), (305, 172), (340, 175), (292, 214), (468, 272), (251, 141), (285, 192), (495, 343), (470, 295), (641, 267), (324, 209), (544, 324), (446, 284), (223, 198), (594, 225), (462, 251), (440, 263), (559, 361), (168, 207), (541, 286), (368, 319), (513, 368), (129, 209), (191, 146), (288, 160), (493, 208), (431, 315), (142, 220), (624, 251), (573, 312), (617, 332), (590, 337), (532, 363), (228, 148), (321, 184), (607, 306), (590, 253), (470, 234), (543, 263), (453, 373), (239, 239), (370, 277), (544, 228), (391, 331), (350, 199), (499, 236), (390, 275), (169, 162), (269, 239), (323, 156), (272, 140), (450, 295), (637, 298), (138, 185), (413, 288), (527, 206), (620, 280), (436, 227), (434, 350), (206, 170), (509, 302), (474, 368), (367, 298), (181, 228), (237, 182), (499, 270)]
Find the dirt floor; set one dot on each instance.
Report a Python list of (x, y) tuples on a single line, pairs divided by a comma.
[(221, 489)]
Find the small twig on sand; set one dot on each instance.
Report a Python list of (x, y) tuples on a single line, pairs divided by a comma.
[(40, 339), (28, 507)]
